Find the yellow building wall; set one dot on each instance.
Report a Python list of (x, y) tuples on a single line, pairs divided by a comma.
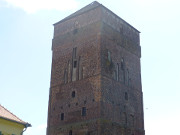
[(9, 127)]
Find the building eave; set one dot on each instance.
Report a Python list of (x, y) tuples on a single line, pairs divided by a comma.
[(22, 123)]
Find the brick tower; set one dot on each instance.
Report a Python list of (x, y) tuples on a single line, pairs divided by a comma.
[(96, 75)]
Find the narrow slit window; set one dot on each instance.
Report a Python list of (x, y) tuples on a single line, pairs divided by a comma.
[(74, 52), (127, 77), (122, 64), (62, 116), (126, 96), (117, 72)]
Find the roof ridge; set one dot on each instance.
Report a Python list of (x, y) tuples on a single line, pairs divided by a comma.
[(11, 114), (88, 7)]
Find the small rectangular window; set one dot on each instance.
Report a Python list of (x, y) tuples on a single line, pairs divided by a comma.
[(84, 111), (70, 132), (126, 96), (62, 116), (73, 94), (75, 64)]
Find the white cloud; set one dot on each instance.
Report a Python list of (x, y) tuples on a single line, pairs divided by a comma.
[(32, 6)]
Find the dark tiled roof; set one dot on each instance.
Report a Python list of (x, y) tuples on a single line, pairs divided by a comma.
[(81, 11), (89, 7), (4, 113)]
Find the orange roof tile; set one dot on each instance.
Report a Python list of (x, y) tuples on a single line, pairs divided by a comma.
[(4, 113)]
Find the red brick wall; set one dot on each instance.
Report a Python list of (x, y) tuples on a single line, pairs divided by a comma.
[(93, 34)]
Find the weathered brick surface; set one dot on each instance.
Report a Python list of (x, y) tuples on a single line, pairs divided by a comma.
[(88, 50)]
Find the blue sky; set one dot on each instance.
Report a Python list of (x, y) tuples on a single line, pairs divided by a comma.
[(26, 33)]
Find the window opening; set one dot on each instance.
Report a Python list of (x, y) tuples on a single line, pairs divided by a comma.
[(117, 72), (70, 132), (122, 64), (62, 116), (85, 101), (75, 64), (126, 96), (73, 94), (84, 111)]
